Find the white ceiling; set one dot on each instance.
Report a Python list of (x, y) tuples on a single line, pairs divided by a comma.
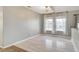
[(41, 9)]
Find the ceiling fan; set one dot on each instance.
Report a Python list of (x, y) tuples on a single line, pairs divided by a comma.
[(46, 9)]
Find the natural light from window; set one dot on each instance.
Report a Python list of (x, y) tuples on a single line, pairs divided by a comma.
[(61, 24)]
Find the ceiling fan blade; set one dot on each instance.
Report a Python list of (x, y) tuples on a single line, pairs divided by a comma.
[(53, 9)]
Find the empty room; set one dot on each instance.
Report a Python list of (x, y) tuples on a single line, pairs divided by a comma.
[(39, 28)]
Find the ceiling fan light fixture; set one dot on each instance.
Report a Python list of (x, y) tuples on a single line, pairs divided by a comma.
[(48, 9)]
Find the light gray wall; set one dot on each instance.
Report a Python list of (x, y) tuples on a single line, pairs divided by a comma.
[(75, 38), (1, 26), (42, 23), (19, 23)]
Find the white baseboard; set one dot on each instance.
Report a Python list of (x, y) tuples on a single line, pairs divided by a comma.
[(21, 41), (74, 46)]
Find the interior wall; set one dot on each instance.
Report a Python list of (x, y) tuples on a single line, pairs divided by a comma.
[(77, 18), (75, 38), (1, 26), (19, 23), (71, 17), (72, 20), (42, 24)]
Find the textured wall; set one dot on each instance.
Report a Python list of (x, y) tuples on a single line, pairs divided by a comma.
[(20, 23)]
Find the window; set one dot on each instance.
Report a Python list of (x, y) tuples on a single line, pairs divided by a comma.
[(48, 24), (60, 24), (55, 25)]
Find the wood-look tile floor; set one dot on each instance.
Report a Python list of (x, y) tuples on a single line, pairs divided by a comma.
[(12, 49), (42, 43), (47, 43)]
